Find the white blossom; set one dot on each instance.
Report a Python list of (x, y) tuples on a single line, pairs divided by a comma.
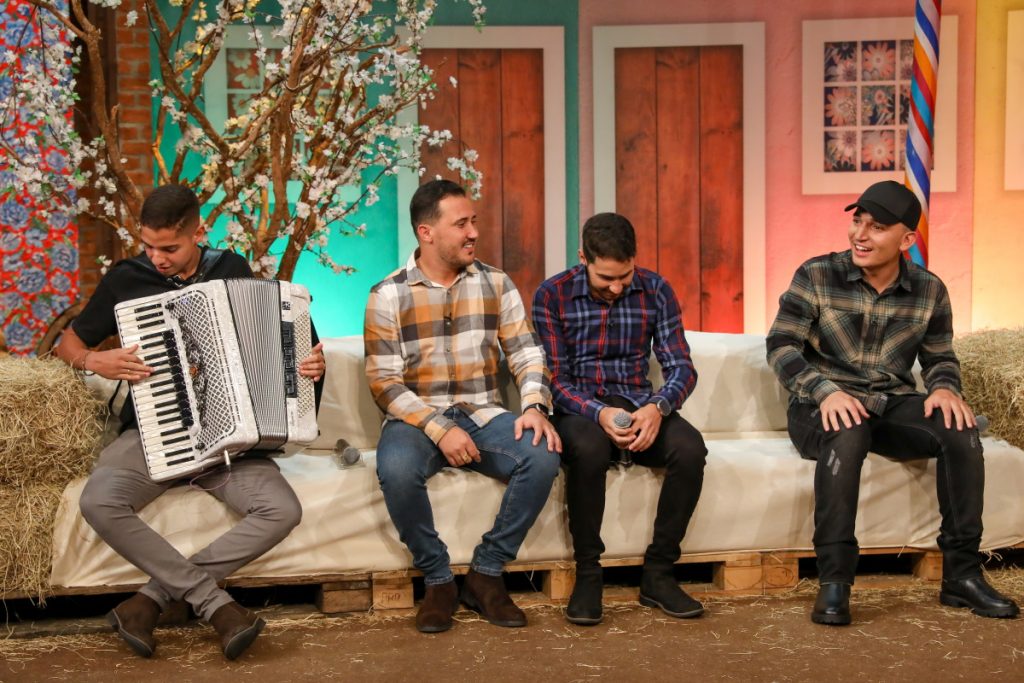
[(341, 131)]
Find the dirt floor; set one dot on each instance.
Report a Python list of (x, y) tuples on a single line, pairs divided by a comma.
[(897, 634)]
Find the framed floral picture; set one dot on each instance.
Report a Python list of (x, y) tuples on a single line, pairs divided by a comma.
[(856, 103), (1013, 177)]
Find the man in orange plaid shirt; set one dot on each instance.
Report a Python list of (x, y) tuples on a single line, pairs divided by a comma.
[(434, 333)]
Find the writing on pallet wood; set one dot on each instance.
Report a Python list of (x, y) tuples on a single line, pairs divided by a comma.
[(392, 593)]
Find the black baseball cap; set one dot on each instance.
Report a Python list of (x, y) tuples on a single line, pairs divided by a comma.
[(890, 202)]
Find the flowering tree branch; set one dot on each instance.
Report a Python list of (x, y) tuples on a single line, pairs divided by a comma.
[(321, 119)]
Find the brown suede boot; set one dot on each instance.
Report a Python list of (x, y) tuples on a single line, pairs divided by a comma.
[(487, 595), (438, 607), (237, 628), (134, 620)]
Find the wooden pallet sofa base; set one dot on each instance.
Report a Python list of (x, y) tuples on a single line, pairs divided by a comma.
[(739, 574)]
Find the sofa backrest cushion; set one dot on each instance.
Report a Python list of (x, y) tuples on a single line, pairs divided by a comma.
[(736, 390)]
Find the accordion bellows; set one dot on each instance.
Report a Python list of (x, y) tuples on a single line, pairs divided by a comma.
[(225, 381)]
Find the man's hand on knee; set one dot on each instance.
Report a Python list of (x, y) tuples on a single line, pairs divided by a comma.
[(458, 447), (953, 407), (542, 428), (839, 407)]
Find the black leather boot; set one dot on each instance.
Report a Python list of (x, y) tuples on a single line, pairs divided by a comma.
[(981, 598), (833, 605), (659, 588)]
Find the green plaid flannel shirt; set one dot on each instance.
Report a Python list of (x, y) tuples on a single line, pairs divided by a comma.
[(834, 332)]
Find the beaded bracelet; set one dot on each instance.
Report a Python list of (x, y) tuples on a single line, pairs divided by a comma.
[(85, 358)]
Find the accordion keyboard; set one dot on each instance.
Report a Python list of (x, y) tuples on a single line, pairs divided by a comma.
[(162, 403)]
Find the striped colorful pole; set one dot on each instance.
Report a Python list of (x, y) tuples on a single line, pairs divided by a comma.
[(921, 122)]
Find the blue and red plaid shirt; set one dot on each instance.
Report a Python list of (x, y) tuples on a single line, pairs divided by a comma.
[(596, 349)]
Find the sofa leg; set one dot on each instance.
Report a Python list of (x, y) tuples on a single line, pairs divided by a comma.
[(355, 595), (928, 566), (742, 575), (780, 571), (558, 583), (392, 593)]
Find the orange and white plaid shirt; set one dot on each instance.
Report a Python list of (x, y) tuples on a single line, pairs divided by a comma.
[(430, 347)]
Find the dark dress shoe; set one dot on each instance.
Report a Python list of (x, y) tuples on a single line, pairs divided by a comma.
[(438, 606), (833, 605), (585, 603), (659, 588), (487, 595), (237, 628), (982, 599), (134, 620)]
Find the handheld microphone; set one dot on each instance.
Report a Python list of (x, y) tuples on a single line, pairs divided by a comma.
[(982, 423), (345, 455), (622, 419)]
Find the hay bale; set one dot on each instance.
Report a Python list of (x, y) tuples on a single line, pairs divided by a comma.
[(992, 364), (27, 514), (49, 423)]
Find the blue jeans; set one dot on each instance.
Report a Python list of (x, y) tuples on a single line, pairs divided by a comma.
[(406, 458)]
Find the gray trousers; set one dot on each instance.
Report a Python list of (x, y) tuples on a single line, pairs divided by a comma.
[(119, 487)]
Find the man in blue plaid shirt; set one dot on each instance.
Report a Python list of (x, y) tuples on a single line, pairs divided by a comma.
[(598, 322)]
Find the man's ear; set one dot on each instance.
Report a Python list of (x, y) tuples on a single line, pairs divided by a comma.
[(909, 240), (424, 233), (583, 258), (199, 235)]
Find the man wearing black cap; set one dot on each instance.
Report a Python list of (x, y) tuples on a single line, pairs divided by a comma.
[(844, 342)]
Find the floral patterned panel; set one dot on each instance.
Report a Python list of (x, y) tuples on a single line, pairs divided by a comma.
[(38, 245), (866, 103)]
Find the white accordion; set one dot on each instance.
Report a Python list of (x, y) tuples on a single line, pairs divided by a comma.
[(225, 376)]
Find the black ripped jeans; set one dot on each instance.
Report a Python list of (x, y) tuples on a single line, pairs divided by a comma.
[(901, 433)]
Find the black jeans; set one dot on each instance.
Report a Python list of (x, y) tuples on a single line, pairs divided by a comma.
[(586, 454), (901, 433)]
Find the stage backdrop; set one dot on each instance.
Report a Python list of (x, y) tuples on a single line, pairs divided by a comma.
[(39, 246)]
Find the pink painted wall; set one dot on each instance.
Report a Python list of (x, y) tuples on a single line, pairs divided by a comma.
[(800, 226)]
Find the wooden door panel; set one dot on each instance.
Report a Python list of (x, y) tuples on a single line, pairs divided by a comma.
[(678, 176), (721, 188), (522, 135), (679, 173), (636, 195), (480, 129), (441, 113), (497, 110)]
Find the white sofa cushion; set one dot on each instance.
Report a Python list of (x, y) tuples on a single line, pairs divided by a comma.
[(758, 495)]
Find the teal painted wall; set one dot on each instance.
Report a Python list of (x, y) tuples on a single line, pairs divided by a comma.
[(339, 300)]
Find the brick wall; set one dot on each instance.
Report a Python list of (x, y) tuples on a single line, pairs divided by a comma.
[(128, 74)]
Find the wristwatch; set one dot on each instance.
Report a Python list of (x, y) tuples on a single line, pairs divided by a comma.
[(540, 407), (663, 406)]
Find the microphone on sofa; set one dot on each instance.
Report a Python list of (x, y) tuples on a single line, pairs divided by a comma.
[(345, 455)]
